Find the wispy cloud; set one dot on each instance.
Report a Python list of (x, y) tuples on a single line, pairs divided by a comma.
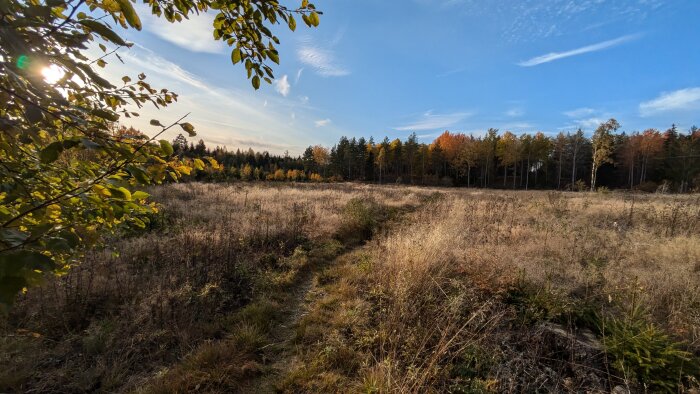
[(147, 60), (589, 123), (585, 118), (282, 86), (296, 80), (193, 34), (552, 56), (321, 58), (451, 72), (322, 122), (515, 112), (579, 112), (517, 126), (221, 115), (431, 121), (679, 100)]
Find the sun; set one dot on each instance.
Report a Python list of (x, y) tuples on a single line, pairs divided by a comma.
[(52, 73)]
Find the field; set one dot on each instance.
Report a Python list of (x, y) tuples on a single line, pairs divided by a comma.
[(363, 288)]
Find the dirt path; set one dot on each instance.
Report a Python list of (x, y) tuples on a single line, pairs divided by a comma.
[(280, 354), (281, 349)]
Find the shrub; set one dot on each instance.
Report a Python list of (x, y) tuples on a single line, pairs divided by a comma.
[(360, 218), (644, 353)]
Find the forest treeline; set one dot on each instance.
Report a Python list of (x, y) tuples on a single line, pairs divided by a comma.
[(651, 160)]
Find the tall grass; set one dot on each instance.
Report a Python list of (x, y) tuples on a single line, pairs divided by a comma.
[(511, 292), (143, 303)]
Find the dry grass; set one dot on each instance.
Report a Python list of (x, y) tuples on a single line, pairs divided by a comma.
[(474, 291), (119, 319), (503, 291)]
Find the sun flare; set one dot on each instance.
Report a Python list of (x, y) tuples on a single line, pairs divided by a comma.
[(52, 73)]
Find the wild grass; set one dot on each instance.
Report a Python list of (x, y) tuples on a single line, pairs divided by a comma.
[(200, 286), (516, 292), (404, 290)]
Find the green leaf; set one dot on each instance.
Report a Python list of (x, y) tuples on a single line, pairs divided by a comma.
[(236, 55), (188, 128), (313, 18), (33, 113), (51, 152), (256, 82), (104, 114), (9, 287), (139, 174), (120, 192), (132, 18), (155, 122), (139, 195), (103, 30), (166, 148), (90, 144), (12, 237), (13, 263), (292, 23), (273, 56)]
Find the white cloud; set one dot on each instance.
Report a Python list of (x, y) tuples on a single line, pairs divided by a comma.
[(589, 123), (579, 112), (679, 100), (296, 80), (321, 60), (282, 86), (322, 122), (193, 34), (517, 125), (430, 121), (515, 112), (233, 117), (549, 57), (147, 60)]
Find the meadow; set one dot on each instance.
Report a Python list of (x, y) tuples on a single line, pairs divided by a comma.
[(260, 287)]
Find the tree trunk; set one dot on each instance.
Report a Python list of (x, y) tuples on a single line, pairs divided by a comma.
[(559, 174), (527, 174), (469, 172), (573, 170)]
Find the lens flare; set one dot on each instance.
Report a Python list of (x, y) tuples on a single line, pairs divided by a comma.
[(52, 73)]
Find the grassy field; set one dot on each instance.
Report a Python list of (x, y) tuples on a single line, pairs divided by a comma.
[(359, 288)]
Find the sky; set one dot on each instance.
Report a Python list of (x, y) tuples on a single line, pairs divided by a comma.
[(390, 68)]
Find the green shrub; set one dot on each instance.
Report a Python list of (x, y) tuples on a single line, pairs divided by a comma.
[(645, 354), (361, 216)]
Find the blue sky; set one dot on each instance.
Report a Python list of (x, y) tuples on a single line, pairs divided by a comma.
[(376, 68)]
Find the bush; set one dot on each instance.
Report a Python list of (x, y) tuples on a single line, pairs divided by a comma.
[(644, 353), (360, 218)]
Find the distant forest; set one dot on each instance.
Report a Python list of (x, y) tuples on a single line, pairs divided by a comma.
[(651, 160)]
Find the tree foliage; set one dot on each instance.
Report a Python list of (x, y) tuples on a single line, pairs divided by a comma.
[(67, 173)]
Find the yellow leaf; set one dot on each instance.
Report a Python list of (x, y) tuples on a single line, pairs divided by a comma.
[(53, 211), (101, 191)]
